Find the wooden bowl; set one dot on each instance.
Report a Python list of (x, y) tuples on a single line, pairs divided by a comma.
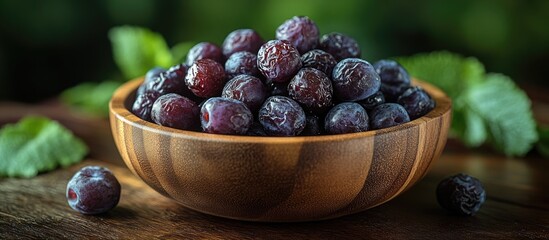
[(279, 179)]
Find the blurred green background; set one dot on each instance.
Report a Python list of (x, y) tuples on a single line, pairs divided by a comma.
[(48, 46)]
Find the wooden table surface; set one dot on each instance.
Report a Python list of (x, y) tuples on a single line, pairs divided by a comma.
[(517, 206)]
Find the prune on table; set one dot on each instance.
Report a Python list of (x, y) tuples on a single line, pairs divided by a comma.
[(461, 194), (392, 73), (300, 31), (340, 46), (242, 63), (388, 115), (143, 103), (206, 78), (416, 101), (242, 40), (281, 116), (278, 60), (313, 125), (175, 111), (312, 89), (225, 116), (320, 60), (354, 79), (248, 89), (93, 190), (347, 117), (372, 101), (205, 50)]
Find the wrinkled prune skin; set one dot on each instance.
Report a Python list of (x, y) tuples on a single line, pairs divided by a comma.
[(175, 111), (143, 103), (282, 116), (301, 32), (242, 63), (278, 61), (354, 79), (225, 116), (340, 46), (312, 89), (461, 194), (248, 89), (416, 101), (320, 60), (391, 72), (347, 117), (206, 78), (242, 40)]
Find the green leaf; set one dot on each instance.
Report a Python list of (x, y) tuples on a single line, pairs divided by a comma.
[(543, 144), (180, 50), (37, 144), (92, 98), (506, 112), (136, 50), (450, 72)]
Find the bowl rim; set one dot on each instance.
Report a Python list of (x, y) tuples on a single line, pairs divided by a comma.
[(117, 108)]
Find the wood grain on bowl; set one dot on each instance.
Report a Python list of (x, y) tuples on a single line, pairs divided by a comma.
[(279, 178)]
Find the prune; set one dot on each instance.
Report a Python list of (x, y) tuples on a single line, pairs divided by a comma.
[(392, 92), (354, 79), (461, 194), (143, 104), (340, 46), (388, 115), (225, 116), (149, 77), (93, 190), (242, 63), (312, 89), (242, 40), (205, 78), (278, 60), (313, 125), (248, 89), (416, 101), (170, 81), (281, 116), (205, 50), (320, 60), (175, 111), (347, 117), (372, 101), (391, 72), (301, 32)]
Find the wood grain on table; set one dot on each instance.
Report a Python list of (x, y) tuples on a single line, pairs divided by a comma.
[(517, 206)]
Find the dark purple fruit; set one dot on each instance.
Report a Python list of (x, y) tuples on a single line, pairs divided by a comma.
[(278, 89), (175, 111), (388, 115), (93, 190), (347, 117), (392, 92), (354, 79), (206, 78), (143, 104), (416, 101), (461, 194), (320, 60), (392, 73), (372, 101), (313, 125), (170, 81), (242, 63), (242, 40), (312, 89), (340, 46), (248, 89), (225, 116), (301, 32), (278, 60), (281, 116), (205, 50)]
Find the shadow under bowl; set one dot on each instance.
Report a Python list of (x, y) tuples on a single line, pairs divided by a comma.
[(279, 179)]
